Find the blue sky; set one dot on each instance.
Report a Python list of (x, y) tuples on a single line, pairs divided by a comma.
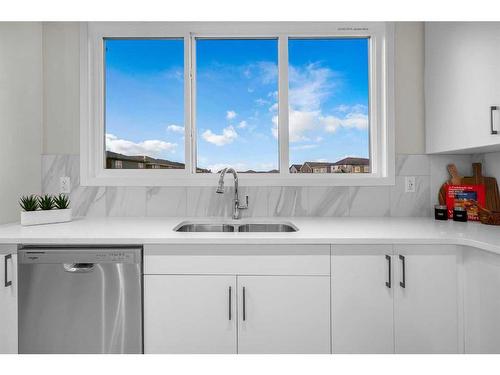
[(237, 83)]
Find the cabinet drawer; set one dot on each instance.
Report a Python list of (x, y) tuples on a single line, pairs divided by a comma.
[(237, 259)]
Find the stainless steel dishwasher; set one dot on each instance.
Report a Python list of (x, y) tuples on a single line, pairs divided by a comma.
[(80, 300)]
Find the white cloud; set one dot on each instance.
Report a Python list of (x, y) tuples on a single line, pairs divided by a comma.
[(274, 107), (268, 71), (176, 129), (228, 136), (151, 147), (242, 125), (310, 86), (231, 114), (302, 122), (273, 94), (305, 147), (265, 71), (260, 101), (274, 128), (352, 120), (219, 166)]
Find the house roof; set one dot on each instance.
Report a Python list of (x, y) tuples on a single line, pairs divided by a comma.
[(318, 164), (297, 166), (353, 161), (143, 159)]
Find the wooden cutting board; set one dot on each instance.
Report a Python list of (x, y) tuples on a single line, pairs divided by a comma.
[(490, 183), (455, 179)]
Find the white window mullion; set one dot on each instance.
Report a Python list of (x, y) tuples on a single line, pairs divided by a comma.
[(190, 103), (283, 104)]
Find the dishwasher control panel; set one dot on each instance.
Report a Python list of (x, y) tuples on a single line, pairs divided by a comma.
[(79, 255)]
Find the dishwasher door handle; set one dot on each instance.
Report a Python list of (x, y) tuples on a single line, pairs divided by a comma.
[(79, 267), (6, 269)]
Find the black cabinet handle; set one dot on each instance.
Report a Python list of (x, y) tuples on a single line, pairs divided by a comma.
[(388, 283), (230, 303), (492, 109), (244, 305), (402, 283), (6, 259)]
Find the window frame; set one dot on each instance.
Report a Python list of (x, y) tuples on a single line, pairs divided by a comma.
[(381, 100)]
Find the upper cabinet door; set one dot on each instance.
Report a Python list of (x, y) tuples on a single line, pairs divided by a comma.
[(284, 314), (189, 314), (427, 316), (8, 299), (362, 299), (462, 83)]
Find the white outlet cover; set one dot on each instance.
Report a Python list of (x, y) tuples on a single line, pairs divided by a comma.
[(64, 185), (409, 184)]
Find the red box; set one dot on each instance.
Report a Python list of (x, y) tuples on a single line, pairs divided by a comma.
[(468, 196)]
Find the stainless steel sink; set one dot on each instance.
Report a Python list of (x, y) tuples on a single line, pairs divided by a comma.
[(268, 227), (204, 227), (236, 227)]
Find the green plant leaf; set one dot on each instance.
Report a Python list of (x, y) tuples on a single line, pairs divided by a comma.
[(61, 201), (46, 202), (29, 202)]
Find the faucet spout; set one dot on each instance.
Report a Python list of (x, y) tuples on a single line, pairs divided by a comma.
[(237, 206)]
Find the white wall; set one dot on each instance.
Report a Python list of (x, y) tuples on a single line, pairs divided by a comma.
[(61, 90), (61, 85), (409, 88), (20, 114)]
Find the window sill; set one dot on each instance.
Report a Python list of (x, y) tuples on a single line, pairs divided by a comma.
[(160, 178)]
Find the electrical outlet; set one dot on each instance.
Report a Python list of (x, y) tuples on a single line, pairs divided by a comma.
[(409, 184), (64, 185)]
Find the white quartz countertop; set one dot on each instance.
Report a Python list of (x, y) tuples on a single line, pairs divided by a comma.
[(95, 231)]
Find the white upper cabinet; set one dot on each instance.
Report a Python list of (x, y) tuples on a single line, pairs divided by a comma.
[(8, 299), (462, 86), (427, 298), (362, 299)]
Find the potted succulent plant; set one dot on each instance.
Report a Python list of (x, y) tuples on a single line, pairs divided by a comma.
[(44, 209)]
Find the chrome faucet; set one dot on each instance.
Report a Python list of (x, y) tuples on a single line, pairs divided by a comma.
[(237, 206)]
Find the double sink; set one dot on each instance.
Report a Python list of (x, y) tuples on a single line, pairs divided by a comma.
[(235, 227)]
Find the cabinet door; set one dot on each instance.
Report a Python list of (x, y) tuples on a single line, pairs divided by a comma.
[(482, 302), (189, 314), (8, 299), (284, 314), (362, 299), (427, 299), (462, 82)]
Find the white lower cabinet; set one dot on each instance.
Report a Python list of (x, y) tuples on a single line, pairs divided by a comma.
[(189, 314), (237, 299), (362, 299), (283, 314), (482, 302), (8, 299), (419, 313), (354, 299), (426, 309)]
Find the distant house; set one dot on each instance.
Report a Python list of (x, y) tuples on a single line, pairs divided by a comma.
[(351, 165), (295, 168), (316, 167), (115, 160)]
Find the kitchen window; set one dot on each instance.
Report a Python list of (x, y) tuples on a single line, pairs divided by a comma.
[(283, 103)]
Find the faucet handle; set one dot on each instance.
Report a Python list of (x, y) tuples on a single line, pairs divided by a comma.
[(244, 205)]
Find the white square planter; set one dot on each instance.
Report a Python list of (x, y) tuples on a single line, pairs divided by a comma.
[(45, 216)]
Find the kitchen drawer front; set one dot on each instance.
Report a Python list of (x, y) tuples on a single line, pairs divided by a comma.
[(237, 259)]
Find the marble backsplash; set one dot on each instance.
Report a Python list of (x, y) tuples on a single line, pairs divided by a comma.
[(429, 171)]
